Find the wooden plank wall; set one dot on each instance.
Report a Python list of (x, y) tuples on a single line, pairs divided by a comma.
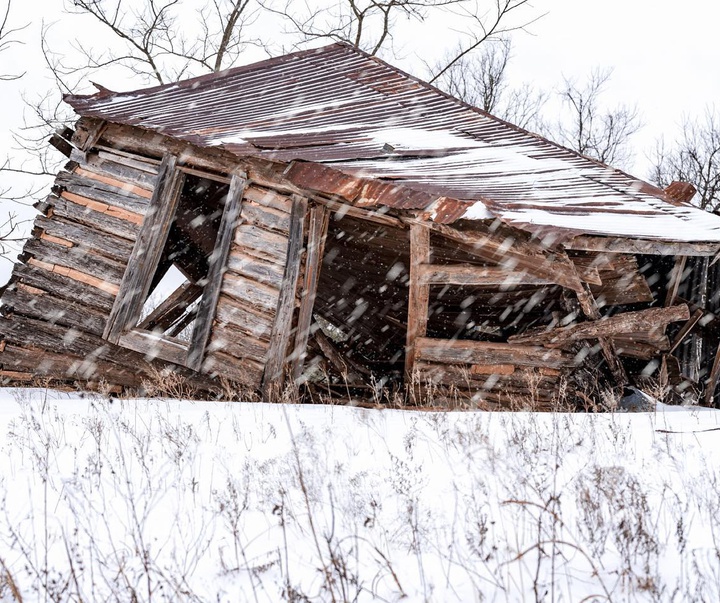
[(57, 303), (250, 291)]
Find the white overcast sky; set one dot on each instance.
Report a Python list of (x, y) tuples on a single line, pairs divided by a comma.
[(665, 55)]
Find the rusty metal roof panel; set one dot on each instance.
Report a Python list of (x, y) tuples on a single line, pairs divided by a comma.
[(355, 115)]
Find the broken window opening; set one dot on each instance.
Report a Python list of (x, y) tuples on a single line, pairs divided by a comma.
[(161, 310), (170, 307)]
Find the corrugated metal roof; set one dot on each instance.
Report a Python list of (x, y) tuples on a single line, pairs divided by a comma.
[(352, 112)]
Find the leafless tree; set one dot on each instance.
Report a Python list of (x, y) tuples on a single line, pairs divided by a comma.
[(488, 20), (482, 81), (589, 128), (371, 24), (694, 158)]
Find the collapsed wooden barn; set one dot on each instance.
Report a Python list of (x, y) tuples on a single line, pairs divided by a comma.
[(335, 220)]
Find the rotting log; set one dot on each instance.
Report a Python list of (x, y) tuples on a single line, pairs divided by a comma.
[(628, 322), (85, 173), (104, 208), (251, 292), (76, 258), (25, 331), (125, 169), (243, 316), (239, 344), (243, 371), (48, 307), (262, 271), (72, 186), (261, 243), (266, 217), (76, 275)]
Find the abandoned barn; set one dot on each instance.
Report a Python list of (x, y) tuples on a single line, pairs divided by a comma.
[(325, 220)]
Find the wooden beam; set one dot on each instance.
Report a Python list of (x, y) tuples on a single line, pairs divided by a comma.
[(479, 276), (460, 351), (146, 253), (590, 309), (153, 345), (218, 263), (620, 324), (88, 131), (317, 234), (677, 278), (640, 246), (687, 327), (162, 317), (347, 369), (273, 375), (419, 294), (341, 210), (511, 253)]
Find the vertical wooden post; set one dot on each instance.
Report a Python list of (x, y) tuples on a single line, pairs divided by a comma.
[(317, 233), (280, 336), (146, 253), (218, 260), (419, 296)]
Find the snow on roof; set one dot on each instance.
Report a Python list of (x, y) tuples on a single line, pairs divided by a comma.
[(354, 113)]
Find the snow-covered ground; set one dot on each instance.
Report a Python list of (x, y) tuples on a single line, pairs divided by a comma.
[(138, 500)]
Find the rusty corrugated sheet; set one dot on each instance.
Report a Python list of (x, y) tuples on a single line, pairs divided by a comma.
[(361, 129)]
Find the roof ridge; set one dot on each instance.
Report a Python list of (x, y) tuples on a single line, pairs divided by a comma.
[(106, 93)]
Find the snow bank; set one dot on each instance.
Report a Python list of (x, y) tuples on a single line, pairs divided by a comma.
[(173, 500)]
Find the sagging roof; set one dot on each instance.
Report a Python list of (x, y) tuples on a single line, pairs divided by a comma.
[(353, 113)]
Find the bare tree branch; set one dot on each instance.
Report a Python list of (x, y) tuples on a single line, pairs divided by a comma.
[(8, 39), (486, 25), (590, 129), (481, 80), (695, 158)]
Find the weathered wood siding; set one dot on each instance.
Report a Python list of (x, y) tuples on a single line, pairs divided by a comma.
[(61, 292), (250, 291)]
